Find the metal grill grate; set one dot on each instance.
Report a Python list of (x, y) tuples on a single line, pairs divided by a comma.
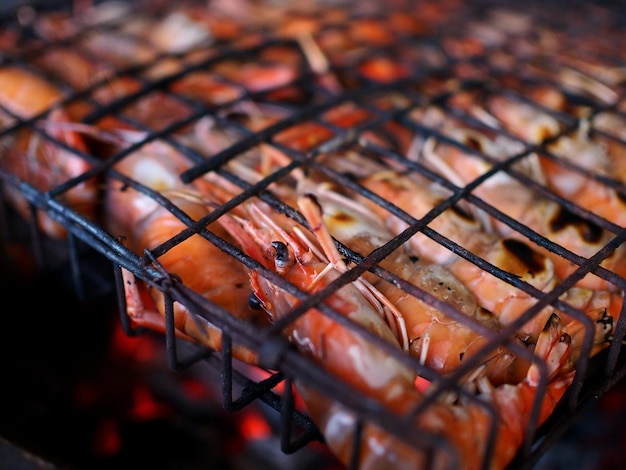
[(352, 85)]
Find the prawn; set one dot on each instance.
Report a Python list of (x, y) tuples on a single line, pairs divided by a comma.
[(364, 226), (428, 333), (309, 134), (588, 154), (519, 259), (198, 263), (34, 159), (463, 423), (509, 195), (375, 371), (436, 339), (315, 332)]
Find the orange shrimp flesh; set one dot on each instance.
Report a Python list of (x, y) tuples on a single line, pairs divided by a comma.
[(307, 135), (206, 87), (33, 158), (344, 352), (494, 294), (429, 331), (195, 261), (83, 72), (436, 339), (156, 109), (25, 94), (464, 424), (610, 128), (514, 256), (372, 370), (588, 153), (202, 267)]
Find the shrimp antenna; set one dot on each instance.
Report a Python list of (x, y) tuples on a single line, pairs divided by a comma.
[(312, 212)]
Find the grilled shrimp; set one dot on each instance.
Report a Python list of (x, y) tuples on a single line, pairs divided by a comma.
[(338, 347), (578, 148), (514, 256), (417, 198), (509, 195), (463, 423), (34, 159), (198, 263), (372, 370), (435, 338), (438, 339), (82, 71)]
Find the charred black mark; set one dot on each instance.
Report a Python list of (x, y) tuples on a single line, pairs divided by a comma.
[(527, 340), (413, 259), (463, 213), (282, 254), (590, 232), (349, 175), (544, 134), (343, 217), (473, 143), (533, 260)]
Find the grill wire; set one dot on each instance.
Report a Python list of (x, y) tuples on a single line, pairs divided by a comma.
[(440, 63)]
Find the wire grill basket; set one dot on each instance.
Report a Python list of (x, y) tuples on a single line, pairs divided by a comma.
[(336, 93)]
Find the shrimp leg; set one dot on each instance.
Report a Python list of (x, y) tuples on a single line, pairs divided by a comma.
[(464, 424)]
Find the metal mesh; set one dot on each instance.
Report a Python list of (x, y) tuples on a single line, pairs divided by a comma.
[(368, 85)]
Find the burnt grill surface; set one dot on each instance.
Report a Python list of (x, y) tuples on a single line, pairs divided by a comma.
[(432, 62)]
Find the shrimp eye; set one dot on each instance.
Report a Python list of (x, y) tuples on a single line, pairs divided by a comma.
[(254, 302), (282, 254)]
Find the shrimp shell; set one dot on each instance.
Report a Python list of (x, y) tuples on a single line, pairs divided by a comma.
[(32, 158), (198, 263), (377, 374)]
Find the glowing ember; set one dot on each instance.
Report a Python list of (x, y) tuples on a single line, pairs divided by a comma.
[(146, 407), (142, 348), (107, 439), (254, 426)]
